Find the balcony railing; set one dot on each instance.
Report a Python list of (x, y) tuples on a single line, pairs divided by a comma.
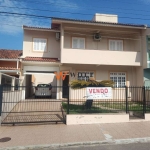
[(101, 57)]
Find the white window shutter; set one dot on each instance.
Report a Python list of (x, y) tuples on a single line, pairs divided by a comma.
[(75, 43), (116, 45), (39, 44), (112, 45), (81, 43)]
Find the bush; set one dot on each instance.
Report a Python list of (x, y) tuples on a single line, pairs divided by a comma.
[(77, 84)]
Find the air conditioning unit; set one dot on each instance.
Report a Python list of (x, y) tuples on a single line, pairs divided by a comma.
[(97, 36), (57, 35)]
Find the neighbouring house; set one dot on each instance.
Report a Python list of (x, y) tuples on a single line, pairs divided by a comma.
[(10, 66), (100, 48), (146, 57)]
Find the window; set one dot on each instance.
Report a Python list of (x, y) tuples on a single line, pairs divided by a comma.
[(116, 45), (85, 75), (119, 78), (39, 44), (78, 43)]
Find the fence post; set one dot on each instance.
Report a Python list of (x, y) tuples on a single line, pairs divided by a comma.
[(1, 96), (126, 90), (144, 100), (68, 100)]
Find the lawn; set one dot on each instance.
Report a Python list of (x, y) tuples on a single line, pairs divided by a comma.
[(78, 109), (105, 107)]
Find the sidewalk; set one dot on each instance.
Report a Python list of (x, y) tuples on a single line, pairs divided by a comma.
[(60, 134)]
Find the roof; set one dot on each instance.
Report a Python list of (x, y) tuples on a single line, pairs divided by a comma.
[(8, 68), (40, 59), (40, 28), (10, 54), (98, 22)]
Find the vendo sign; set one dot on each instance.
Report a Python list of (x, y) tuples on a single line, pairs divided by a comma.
[(99, 92)]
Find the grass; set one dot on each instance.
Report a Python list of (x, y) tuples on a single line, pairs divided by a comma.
[(105, 107), (78, 109), (132, 106)]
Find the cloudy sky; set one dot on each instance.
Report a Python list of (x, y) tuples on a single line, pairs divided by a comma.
[(11, 34)]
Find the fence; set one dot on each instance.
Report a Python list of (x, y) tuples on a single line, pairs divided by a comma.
[(25, 105), (124, 100)]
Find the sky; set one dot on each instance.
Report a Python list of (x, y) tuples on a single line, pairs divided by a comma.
[(11, 33)]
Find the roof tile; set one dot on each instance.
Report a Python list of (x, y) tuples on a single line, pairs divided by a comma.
[(99, 22), (41, 59), (10, 54)]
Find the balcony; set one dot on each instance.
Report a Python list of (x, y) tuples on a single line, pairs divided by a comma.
[(101, 57)]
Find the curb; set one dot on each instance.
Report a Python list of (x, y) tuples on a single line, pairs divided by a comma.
[(105, 142)]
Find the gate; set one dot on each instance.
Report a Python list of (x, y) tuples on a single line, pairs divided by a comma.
[(31, 105), (136, 102)]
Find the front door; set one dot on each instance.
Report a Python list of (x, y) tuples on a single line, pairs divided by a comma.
[(65, 87)]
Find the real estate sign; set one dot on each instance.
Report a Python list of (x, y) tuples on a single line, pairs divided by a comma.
[(99, 92)]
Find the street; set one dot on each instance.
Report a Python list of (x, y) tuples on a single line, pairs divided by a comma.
[(133, 146)]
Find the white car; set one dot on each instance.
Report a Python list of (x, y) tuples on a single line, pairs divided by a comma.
[(43, 90)]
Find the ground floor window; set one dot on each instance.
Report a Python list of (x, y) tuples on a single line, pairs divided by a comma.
[(85, 75), (119, 78)]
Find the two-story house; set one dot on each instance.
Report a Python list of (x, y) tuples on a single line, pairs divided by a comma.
[(100, 48)]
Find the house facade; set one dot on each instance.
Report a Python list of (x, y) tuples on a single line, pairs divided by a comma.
[(100, 48)]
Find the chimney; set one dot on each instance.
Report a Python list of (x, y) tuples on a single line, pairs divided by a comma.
[(105, 18)]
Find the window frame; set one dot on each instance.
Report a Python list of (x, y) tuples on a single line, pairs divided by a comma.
[(117, 84), (43, 51), (78, 38), (115, 44)]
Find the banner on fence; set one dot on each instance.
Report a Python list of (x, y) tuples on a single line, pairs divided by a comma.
[(99, 92)]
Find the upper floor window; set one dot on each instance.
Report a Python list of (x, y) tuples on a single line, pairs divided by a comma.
[(116, 45), (39, 44), (119, 78), (78, 43)]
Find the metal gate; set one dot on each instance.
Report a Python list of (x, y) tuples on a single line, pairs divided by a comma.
[(31, 105), (136, 102)]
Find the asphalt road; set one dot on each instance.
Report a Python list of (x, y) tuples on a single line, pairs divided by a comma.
[(134, 146)]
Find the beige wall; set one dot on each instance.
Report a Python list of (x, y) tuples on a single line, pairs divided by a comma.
[(53, 45), (103, 72)]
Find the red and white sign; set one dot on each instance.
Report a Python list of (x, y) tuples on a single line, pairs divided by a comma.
[(99, 92)]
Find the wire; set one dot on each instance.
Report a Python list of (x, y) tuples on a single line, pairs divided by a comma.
[(62, 12), (48, 17), (39, 3)]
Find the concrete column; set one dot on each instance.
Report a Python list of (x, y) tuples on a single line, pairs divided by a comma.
[(58, 90), (13, 84), (61, 42)]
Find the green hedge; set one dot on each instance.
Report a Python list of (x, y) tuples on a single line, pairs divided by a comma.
[(77, 84)]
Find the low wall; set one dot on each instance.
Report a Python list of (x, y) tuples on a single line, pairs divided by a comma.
[(147, 117), (96, 119), (10, 99)]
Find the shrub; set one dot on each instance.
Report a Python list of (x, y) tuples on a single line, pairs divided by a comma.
[(77, 84)]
